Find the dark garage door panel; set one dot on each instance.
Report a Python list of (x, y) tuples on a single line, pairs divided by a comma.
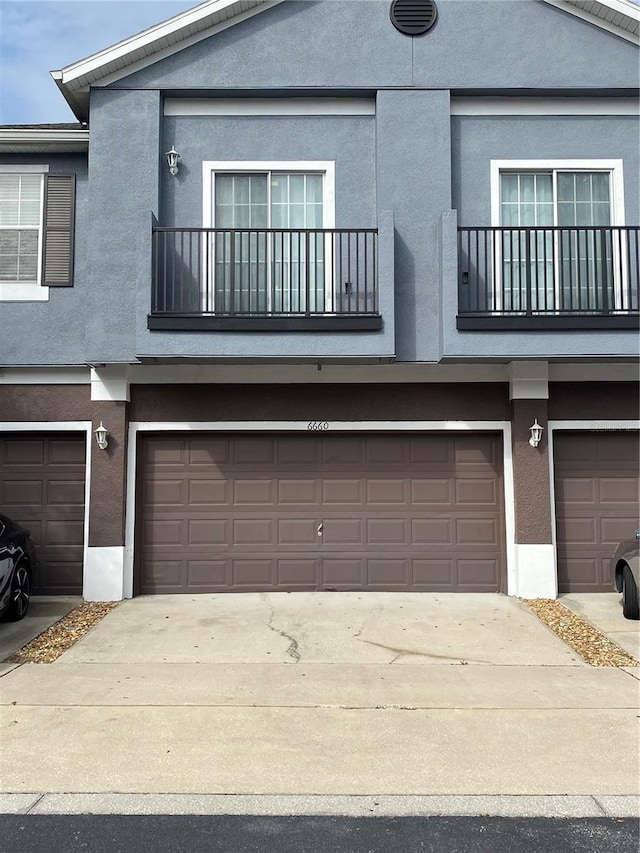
[(42, 486), (220, 512), (597, 504)]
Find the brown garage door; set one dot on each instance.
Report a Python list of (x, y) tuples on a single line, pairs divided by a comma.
[(42, 482), (596, 485), (295, 512)]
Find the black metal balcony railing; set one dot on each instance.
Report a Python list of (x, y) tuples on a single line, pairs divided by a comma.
[(581, 277), (264, 278)]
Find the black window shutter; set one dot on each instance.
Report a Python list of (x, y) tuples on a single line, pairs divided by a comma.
[(59, 216)]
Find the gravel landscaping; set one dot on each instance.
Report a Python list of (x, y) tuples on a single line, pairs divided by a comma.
[(592, 645), (48, 646)]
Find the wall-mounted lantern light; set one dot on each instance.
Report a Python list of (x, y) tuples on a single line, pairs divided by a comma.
[(536, 433), (101, 435), (172, 160)]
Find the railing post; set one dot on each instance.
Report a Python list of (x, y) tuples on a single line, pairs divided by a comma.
[(232, 273), (307, 272), (527, 273), (603, 267)]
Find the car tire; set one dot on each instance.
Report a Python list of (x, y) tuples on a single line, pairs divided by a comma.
[(20, 594), (630, 603)]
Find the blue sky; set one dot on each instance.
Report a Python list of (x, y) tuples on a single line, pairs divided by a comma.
[(37, 36)]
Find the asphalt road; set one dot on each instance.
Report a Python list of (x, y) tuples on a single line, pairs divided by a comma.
[(242, 834)]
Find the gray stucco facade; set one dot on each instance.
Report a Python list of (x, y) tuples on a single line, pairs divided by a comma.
[(412, 162), (407, 137)]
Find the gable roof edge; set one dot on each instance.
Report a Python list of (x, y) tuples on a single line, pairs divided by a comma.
[(143, 49), (627, 12)]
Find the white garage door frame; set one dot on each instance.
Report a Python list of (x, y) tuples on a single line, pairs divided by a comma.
[(576, 426), (514, 582)]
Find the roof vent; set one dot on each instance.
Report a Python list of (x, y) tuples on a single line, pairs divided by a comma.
[(413, 17)]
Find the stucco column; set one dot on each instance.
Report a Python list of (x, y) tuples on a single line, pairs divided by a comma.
[(535, 569), (104, 562)]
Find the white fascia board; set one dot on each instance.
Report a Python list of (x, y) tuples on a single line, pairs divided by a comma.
[(487, 106), (614, 371), (45, 376), (269, 107), (629, 11), (42, 135), (144, 48)]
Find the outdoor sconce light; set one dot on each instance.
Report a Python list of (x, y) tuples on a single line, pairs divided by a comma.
[(101, 436), (536, 433), (172, 160)]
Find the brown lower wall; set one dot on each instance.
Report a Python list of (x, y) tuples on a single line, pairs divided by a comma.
[(594, 401), (51, 403), (531, 488), (420, 402), (432, 402)]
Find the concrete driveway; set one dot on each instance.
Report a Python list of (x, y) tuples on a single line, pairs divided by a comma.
[(326, 628), (321, 694)]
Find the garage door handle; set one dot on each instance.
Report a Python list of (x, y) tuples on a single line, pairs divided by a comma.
[(320, 529)]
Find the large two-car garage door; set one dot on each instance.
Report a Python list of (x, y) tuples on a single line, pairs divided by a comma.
[(294, 511), (596, 486), (42, 486)]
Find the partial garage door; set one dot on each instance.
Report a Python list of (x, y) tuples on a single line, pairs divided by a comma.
[(296, 512), (596, 485), (42, 486)]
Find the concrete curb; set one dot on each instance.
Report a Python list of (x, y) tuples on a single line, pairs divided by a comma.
[(350, 806)]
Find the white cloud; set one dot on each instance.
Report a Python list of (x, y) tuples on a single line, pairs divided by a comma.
[(37, 36)]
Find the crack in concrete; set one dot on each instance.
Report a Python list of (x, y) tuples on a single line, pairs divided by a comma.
[(399, 653), (293, 650)]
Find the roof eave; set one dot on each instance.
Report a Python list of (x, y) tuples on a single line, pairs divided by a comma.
[(78, 100), (32, 140), (121, 59), (629, 16)]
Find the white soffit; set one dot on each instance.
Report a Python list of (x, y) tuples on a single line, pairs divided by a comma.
[(503, 106), (619, 17), (269, 107), (34, 140)]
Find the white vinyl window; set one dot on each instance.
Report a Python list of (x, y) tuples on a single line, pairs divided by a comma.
[(556, 248), (269, 247), (21, 224)]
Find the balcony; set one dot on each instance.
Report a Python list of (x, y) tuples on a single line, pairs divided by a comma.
[(207, 279), (548, 278)]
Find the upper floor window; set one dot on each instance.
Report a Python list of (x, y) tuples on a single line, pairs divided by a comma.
[(21, 198), (563, 193), (36, 232), (542, 198), (269, 200), (557, 237), (269, 251)]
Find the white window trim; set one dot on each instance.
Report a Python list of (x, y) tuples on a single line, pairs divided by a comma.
[(327, 167), (14, 291), (612, 166)]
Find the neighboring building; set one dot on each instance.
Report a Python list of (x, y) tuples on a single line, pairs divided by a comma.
[(318, 349)]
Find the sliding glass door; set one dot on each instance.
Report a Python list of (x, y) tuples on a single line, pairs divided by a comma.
[(555, 244), (269, 245)]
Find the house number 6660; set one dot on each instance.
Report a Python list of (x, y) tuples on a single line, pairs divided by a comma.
[(317, 426)]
